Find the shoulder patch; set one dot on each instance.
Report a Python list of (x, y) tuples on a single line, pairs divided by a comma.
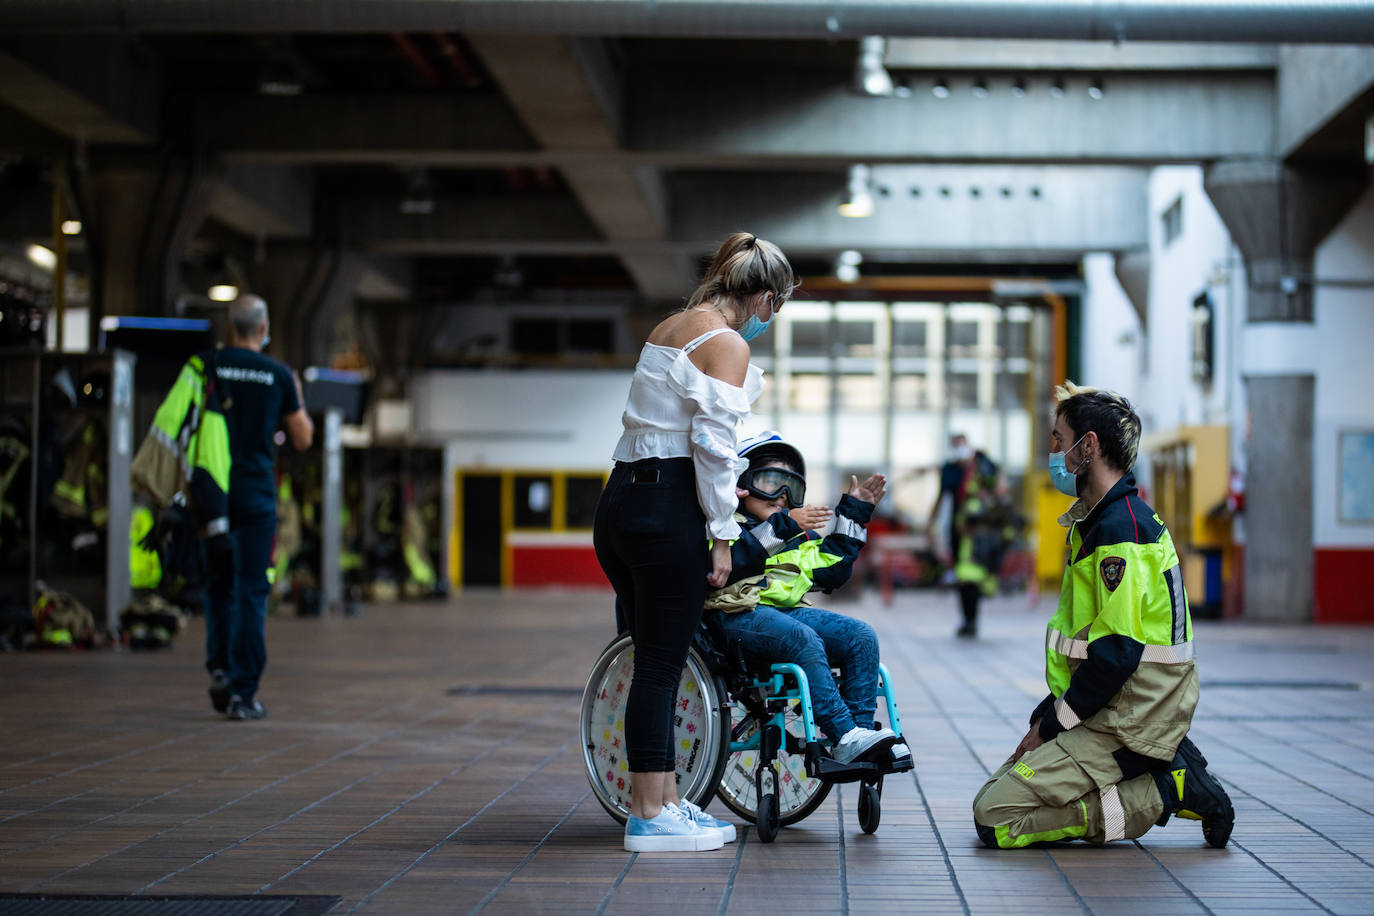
[(1113, 569)]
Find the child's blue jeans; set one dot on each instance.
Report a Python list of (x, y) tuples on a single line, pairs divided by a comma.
[(816, 639)]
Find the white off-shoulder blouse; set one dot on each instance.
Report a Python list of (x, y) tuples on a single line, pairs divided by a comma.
[(677, 411)]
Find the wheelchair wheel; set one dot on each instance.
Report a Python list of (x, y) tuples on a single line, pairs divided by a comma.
[(767, 818), (870, 805), (797, 794), (699, 731)]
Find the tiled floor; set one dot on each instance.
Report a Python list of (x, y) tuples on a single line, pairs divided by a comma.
[(425, 759)]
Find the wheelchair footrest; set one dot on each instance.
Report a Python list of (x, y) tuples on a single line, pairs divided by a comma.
[(832, 771)]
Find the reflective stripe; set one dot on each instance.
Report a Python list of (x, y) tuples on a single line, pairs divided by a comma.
[(1168, 655), (1069, 648), (1065, 714), (172, 445), (850, 528), (1078, 648), (768, 538), (1113, 815), (215, 526), (1178, 601)]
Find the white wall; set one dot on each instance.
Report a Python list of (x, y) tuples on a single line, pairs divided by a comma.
[(1345, 373), (1200, 259), (1112, 338), (521, 419)]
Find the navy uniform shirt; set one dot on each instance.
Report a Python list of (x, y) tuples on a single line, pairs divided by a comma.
[(256, 392)]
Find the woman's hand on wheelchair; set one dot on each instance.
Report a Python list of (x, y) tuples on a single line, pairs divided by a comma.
[(720, 563)]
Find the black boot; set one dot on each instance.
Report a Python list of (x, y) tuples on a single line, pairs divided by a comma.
[(1189, 791)]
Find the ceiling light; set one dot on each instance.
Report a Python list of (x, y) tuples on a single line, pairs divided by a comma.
[(42, 257), (870, 76), (1057, 87), (1095, 89), (223, 292), (71, 227), (847, 265), (419, 196), (858, 201), (980, 88), (940, 89), (281, 76), (1018, 87)]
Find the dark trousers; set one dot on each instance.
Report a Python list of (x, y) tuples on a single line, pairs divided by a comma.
[(650, 538), (236, 605)]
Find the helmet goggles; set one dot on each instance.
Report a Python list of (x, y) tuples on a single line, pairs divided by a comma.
[(772, 482)]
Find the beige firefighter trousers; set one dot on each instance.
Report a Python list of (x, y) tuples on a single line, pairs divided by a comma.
[(1068, 788)]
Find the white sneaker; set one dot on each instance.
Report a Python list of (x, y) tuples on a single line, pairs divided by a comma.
[(860, 741), (702, 819), (670, 831)]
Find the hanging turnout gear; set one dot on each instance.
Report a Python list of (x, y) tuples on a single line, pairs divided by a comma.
[(185, 457)]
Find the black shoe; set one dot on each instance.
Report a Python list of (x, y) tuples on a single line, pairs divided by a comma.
[(219, 690), (240, 710), (1189, 791), (967, 631)]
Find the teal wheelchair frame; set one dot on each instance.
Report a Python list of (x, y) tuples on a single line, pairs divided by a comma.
[(748, 736)]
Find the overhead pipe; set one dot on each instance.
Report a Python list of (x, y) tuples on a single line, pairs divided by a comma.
[(1275, 21)]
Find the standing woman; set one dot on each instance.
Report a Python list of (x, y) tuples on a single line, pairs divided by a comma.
[(674, 476)]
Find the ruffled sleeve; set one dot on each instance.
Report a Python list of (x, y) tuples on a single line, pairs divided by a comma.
[(720, 408)]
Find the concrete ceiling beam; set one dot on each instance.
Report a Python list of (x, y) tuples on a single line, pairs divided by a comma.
[(265, 200), (89, 88), (695, 120), (569, 95), (1141, 118)]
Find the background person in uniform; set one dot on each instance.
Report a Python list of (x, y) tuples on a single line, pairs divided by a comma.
[(672, 487), (1107, 755), (966, 473), (258, 394)]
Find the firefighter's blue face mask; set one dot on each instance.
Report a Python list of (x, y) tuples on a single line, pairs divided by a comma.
[(1064, 480)]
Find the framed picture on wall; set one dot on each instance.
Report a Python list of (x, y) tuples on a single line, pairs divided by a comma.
[(1356, 481)]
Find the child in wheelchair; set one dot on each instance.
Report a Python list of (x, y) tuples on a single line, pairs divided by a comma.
[(763, 613)]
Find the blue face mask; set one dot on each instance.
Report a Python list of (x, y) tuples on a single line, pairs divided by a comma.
[(1064, 481), (753, 327)]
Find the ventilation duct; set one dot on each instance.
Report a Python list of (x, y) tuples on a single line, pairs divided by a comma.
[(1333, 21)]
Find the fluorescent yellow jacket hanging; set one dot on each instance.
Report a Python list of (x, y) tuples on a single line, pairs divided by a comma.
[(187, 451)]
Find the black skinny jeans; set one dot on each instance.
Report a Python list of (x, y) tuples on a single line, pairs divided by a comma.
[(651, 542)]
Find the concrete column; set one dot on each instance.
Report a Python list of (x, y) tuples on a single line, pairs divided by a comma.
[(307, 290), (1277, 215), (331, 519), (141, 212), (1278, 498)]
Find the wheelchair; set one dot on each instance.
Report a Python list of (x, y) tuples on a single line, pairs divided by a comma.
[(746, 734)]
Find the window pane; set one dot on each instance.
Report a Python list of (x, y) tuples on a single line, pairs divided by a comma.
[(963, 334), (810, 338), (583, 493), (962, 390), (1013, 338), (857, 338), (910, 392), (810, 392), (909, 337), (860, 392), (534, 502), (1011, 389)]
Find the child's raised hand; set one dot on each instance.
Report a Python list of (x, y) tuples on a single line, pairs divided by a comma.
[(811, 517), (871, 490)]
